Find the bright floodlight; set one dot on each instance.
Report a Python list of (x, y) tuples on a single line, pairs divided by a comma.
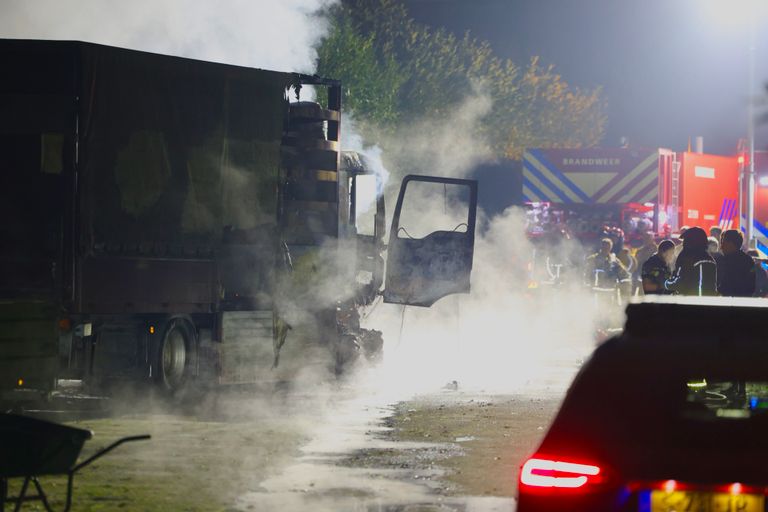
[(735, 14), (763, 181)]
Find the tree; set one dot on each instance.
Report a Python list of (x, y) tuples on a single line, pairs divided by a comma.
[(397, 71), (370, 82)]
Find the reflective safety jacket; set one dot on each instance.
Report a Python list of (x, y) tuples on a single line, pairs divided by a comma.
[(656, 271), (695, 274), (604, 271)]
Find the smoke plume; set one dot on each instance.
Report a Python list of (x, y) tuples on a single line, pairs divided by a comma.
[(277, 35)]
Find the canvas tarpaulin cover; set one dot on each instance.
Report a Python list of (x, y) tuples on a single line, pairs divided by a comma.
[(175, 151)]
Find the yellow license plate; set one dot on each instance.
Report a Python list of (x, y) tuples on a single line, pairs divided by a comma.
[(681, 501)]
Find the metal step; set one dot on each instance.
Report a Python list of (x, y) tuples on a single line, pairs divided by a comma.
[(246, 349)]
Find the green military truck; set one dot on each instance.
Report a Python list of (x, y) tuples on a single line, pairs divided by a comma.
[(177, 221)]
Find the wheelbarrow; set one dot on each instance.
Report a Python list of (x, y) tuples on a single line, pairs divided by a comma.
[(30, 448)]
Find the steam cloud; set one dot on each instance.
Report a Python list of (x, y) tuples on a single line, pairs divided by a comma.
[(501, 337), (277, 35)]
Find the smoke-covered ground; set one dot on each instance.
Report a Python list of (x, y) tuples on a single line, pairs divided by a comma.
[(502, 337)]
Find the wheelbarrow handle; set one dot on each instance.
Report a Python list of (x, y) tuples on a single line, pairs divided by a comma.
[(109, 448)]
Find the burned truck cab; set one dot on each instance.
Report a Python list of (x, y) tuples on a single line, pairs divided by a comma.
[(186, 223)]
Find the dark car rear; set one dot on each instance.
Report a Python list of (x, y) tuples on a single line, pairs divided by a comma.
[(671, 415)]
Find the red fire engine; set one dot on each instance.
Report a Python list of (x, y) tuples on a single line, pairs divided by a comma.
[(637, 190)]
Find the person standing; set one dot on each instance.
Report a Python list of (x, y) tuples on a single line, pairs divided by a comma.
[(603, 267), (643, 254), (603, 273), (626, 288), (713, 248), (695, 270), (761, 276), (648, 249), (658, 269), (736, 269), (679, 241)]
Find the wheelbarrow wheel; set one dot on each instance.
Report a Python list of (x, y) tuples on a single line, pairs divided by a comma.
[(176, 356)]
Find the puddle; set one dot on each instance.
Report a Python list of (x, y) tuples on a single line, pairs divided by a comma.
[(350, 466)]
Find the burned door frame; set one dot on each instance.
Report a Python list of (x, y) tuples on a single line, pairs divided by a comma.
[(420, 271)]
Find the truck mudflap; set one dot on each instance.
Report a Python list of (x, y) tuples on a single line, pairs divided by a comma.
[(29, 345), (432, 240)]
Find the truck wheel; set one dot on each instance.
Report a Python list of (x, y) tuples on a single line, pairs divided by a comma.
[(176, 356)]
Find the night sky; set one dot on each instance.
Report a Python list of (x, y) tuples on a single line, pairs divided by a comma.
[(670, 69)]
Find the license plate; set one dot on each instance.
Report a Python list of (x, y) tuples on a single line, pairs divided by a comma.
[(681, 501)]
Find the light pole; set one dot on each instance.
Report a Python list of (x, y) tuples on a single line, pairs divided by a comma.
[(750, 231)]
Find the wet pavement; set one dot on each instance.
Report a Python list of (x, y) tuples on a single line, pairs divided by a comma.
[(352, 464)]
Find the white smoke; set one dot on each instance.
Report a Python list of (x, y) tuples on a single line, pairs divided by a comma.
[(271, 34), (503, 336)]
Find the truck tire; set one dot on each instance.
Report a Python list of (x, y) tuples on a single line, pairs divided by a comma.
[(176, 356)]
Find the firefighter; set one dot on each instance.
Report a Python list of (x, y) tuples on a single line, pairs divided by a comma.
[(736, 269), (604, 271), (643, 254), (695, 270), (648, 249), (678, 242), (615, 235), (658, 269), (625, 281)]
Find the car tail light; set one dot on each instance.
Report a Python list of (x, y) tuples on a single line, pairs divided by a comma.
[(547, 472)]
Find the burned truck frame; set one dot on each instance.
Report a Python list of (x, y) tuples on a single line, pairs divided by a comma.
[(175, 220)]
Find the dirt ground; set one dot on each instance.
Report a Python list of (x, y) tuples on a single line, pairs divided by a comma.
[(190, 464), (495, 434), (452, 446)]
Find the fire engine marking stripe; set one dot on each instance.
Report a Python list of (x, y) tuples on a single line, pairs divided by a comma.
[(639, 181), (541, 162), (762, 248), (530, 190), (647, 180), (650, 194), (620, 180), (759, 227), (551, 191), (641, 168), (536, 169), (722, 213), (732, 213), (727, 214)]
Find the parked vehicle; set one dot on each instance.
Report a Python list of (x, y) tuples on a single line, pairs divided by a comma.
[(669, 415)]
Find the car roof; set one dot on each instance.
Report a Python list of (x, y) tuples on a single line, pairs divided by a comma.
[(723, 315), (691, 335)]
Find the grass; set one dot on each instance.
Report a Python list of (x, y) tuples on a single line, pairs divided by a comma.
[(188, 465)]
